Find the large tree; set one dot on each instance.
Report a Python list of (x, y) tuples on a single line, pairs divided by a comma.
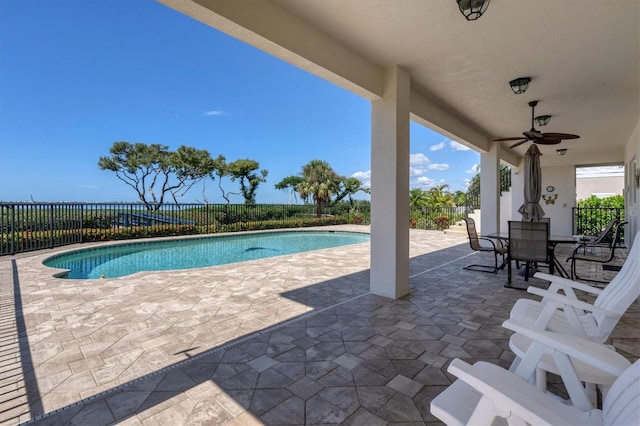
[(246, 172), (155, 172), (348, 187), (290, 183), (320, 182)]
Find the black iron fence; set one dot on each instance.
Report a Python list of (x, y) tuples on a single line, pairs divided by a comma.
[(436, 217), (34, 226), (473, 195), (592, 221)]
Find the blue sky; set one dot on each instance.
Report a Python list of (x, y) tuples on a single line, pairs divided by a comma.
[(77, 76)]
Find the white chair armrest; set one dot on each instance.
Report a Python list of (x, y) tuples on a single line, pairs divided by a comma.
[(511, 395), (592, 353), (563, 282), (576, 303)]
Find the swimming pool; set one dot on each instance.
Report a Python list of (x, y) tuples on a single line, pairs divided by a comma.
[(125, 259)]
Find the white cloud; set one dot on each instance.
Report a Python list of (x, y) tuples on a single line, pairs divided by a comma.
[(424, 182), (215, 112), (437, 147), (474, 170), (418, 164), (418, 159), (365, 178), (457, 146), (438, 167)]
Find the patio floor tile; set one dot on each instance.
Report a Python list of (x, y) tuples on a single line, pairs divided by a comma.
[(291, 340)]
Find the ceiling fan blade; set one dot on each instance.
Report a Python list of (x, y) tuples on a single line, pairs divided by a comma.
[(548, 141), (563, 136), (509, 139), (518, 143), (533, 134)]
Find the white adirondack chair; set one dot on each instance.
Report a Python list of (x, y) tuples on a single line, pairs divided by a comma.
[(575, 359), (485, 392), (565, 313)]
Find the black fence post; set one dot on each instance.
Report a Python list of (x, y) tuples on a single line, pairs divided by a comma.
[(13, 228), (51, 226)]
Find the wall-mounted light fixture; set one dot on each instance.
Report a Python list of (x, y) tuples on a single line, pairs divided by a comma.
[(520, 84), (561, 151), (637, 177), (473, 9), (542, 120)]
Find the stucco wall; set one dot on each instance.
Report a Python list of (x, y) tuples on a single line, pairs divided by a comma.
[(587, 186), (561, 199), (632, 192)]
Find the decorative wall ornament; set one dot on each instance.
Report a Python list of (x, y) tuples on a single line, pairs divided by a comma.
[(551, 199)]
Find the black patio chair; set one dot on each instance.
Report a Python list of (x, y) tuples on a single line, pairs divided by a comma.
[(594, 252), (494, 246), (528, 243), (605, 237)]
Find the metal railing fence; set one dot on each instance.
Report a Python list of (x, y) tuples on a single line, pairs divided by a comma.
[(473, 195), (505, 179), (592, 220), (34, 226), (436, 217)]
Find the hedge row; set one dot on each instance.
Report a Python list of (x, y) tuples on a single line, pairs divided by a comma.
[(36, 240)]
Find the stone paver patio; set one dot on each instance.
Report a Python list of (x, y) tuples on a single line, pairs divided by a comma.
[(295, 339)]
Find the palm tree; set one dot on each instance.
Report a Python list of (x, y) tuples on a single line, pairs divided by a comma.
[(460, 197), (440, 197), (417, 198), (319, 181)]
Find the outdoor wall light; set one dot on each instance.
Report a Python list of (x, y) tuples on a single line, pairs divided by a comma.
[(519, 85), (542, 120), (562, 151), (472, 9)]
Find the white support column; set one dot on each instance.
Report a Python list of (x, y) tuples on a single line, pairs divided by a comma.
[(490, 190), (390, 186)]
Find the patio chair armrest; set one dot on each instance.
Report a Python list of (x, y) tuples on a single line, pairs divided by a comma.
[(561, 300), (563, 282), (592, 353), (506, 394), (492, 241)]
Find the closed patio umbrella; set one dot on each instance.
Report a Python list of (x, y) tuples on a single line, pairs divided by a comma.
[(531, 209)]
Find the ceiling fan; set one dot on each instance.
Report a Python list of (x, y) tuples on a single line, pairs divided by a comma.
[(535, 136)]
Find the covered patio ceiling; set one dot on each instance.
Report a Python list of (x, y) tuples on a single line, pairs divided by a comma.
[(583, 58)]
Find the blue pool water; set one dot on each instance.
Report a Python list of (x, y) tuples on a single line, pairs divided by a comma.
[(125, 259)]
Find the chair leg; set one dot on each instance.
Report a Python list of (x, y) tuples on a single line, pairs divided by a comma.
[(485, 268), (503, 264)]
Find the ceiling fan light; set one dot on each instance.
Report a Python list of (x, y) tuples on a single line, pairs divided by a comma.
[(473, 9), (542, 120), (520, 85), (561, 151)]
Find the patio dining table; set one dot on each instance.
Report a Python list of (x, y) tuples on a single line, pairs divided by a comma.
[(554, 240)]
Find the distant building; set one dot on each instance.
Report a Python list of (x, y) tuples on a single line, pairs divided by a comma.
[(605, 181)]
